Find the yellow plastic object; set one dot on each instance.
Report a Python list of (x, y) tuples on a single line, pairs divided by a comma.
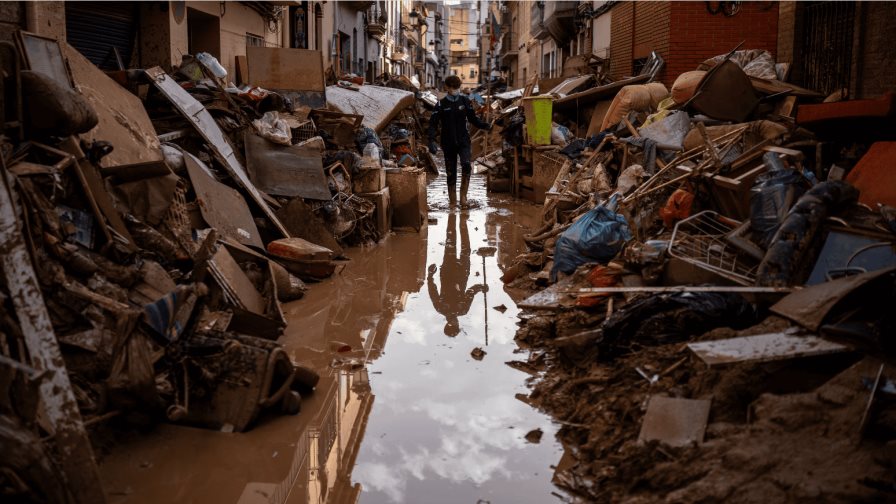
[(538, 111), (662, 111)]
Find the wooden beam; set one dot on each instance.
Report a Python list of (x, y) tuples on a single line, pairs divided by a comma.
[(56, 395), (682, 288)]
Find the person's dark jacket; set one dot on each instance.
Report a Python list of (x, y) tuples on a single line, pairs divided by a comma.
[(452, 117)]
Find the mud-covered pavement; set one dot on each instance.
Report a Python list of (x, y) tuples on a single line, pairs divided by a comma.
[(403, 412)]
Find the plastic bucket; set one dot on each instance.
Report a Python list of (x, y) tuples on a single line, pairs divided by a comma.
[(539, 113)]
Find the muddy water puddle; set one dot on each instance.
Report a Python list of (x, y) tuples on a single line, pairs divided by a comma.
[(403, 412)]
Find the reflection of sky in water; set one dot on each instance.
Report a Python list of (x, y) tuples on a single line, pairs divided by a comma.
[(444, 427)]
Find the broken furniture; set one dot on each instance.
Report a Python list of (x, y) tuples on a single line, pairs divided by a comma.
[(208, 128), (275, 68), (279, 170), (407, 197), (378, 105), (222, 207), (341, 128), (763, 348), (242, 376), (714, 243), (302, 258)]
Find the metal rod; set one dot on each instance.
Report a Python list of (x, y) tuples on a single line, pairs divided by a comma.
[(682, 288)]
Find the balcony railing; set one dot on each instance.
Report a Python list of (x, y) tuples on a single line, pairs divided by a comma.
[(558, 19), (376, 20), (412, 37)]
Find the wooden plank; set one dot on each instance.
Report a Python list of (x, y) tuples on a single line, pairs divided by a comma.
[(284, 68), (222, 207), (281, 170), (555, 297), (596, 93), (95, 190), (782, 150), (674, 421), (57, 398), (242, 70), (809, 307), (763, 348), (123, 121)]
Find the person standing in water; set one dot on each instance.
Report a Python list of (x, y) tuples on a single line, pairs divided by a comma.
[(452, 114)]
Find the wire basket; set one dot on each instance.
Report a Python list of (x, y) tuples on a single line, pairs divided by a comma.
[(351, 209), (177, 220), (705, 240), (304, 131), (549, 158)]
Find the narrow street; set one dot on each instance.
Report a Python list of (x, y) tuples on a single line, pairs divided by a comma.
[(422, 421), (231, 271)]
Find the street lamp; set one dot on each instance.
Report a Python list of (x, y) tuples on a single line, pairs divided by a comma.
[(414, 17)]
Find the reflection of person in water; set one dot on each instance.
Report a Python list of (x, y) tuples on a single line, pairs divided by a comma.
[(455, 299)]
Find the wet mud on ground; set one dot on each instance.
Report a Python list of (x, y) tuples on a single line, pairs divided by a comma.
[(403, 412)]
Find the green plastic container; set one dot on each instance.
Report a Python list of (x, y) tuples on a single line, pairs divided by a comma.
[(539, 112)]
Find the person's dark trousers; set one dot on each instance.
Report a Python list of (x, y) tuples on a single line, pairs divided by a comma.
[(451, 155)]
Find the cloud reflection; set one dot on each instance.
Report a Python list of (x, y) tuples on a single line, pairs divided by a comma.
[(382, 478), (474, 443)]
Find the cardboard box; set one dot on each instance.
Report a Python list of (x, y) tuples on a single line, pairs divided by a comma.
[(407, 188), (383, 213)]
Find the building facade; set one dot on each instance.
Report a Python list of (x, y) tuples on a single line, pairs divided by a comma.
[(437, 52), (365, 38), (829, 45), (463, 42)]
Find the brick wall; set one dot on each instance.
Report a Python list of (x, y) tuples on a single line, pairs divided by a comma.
[(621, 24), (786, 30), (685, 34), (877, 59), (652, 24), (697, 35), (636, 29), (12, 18)]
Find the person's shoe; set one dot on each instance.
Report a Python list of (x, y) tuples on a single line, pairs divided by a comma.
[(452, 198), (464, 185)]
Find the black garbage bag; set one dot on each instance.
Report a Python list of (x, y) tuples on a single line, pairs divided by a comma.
[(513, 129), (670, 318), (350, 160), (786, 262), (365, 136), (574, 148), (771, 197)]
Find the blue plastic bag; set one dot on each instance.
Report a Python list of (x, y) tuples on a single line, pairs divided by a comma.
[(597, 236)]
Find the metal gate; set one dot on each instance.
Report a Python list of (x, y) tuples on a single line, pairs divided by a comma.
[(827, 45), (100, 29)]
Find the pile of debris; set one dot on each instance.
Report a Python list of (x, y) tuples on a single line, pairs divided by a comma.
[(152, 223), (711, 283)]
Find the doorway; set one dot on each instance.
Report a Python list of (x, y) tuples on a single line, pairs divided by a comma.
[(203, 33)]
